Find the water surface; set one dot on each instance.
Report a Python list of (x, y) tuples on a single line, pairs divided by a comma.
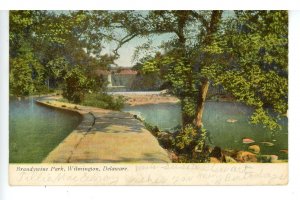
[(222, 133), (35, 130)]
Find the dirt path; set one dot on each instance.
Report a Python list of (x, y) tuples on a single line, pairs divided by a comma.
[(105, 136)]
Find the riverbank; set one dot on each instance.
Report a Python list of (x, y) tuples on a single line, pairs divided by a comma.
[(215, 154), (143, 99), (53, 94), (105, 136), (227, 124)]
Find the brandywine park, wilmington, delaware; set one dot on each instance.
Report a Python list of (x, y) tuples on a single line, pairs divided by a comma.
[(148, 86)]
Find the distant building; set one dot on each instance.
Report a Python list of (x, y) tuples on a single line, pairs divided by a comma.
[(119, 79)]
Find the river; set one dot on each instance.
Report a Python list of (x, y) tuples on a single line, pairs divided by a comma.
[(222, 133), (35, 130)]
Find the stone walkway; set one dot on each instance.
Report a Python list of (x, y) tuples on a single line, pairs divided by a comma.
[(105, 136)]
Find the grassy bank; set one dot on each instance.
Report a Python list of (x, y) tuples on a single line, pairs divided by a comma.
[(102, 100)]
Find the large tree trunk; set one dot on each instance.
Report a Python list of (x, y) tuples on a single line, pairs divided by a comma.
[(200, 107), (212, 27)]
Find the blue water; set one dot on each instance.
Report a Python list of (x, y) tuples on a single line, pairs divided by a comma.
[(222, 133), (35, 130)]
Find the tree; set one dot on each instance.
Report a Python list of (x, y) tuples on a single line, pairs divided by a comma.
[(192, 30), (54, 41), (249, 58), (246, 54), (76, 85), (26, 72)]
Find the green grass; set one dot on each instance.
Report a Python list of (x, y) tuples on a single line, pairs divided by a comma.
[(101, 100), (105, 101)]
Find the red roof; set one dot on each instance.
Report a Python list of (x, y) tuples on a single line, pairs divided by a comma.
[(127, 72)]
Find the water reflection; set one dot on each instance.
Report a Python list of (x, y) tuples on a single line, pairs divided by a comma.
[(35, 130), (227, 123)]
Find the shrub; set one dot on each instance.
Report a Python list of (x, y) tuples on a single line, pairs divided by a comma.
[(25, 75), (191, 143), (76, 85), (103, 100)]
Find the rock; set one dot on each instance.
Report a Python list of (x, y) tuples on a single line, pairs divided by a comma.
[(245, 156), (248, 140), (269, 158), (214, 160), (231, 120), (164, 91), (284, 151), (268, 144), (265, 158), (254, 148), (165, 139), (216, 153), (163, 135), (173, 156), (274, 158), (229, 159), (230, 152)]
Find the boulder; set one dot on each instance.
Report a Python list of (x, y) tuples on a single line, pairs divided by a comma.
[(214, 160), (274, 158), (248, 140), (245, 156), (216, 152), (231, 120), (269, 158), (229, 159), (173, 156), (284, 151), (230, 152), (268, 144), (164, 135), (165, 139), (254, 148)]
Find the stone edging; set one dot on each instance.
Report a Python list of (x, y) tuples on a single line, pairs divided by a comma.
[(87, 122), (93, 130), (87, 117)]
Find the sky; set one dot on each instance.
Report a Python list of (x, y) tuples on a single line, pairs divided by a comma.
[(126, 52)]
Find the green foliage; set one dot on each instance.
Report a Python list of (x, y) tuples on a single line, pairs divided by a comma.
[(26, 75), (247, 54), (181, 80), (191, 143), (20, 80), (58, 67), (76, 85), (249, 58), (186, 140), (103, 100), (58, 42)]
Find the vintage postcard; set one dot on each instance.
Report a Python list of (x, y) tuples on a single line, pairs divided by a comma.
[(160, 97)]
